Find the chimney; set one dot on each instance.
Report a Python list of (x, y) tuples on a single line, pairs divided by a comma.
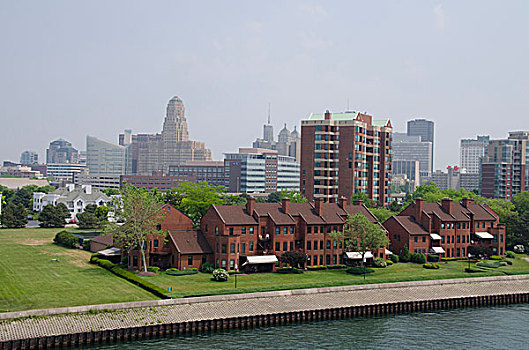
[(285, 204), (446, 203), (327, 115), (418, 208), (358, 202), (88, 189), (342, 202), (250, 205), (318, 205), (466, 201)]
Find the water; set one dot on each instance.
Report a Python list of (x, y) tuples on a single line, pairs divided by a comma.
[(502, 327)]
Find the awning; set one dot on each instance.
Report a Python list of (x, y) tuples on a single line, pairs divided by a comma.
[(437, 250), (110, 252), (435, 237), (262, 259), (357, 255), (388, 252), (484, 235)]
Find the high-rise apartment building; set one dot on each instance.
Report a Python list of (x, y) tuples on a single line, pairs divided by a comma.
[(172, 147), (255, 170), (425, 129), (411, 148), (105, 158), (29, 157), (343, 154), (409, 168), (61, 152), (504, 171), (472, 150)]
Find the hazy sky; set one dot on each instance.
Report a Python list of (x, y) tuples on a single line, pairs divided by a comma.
[(72, 68)]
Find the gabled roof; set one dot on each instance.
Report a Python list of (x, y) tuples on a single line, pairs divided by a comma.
[(436, 209), (410, 225), (190, 242), (106, 239), (307, 212), (354, 209), (275, 212), (234, 215), (481, 212)]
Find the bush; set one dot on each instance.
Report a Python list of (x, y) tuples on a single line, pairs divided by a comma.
[(207, 267), (154, 269), (431, 266), (234, 272), (418, 258), (509, 262), (493, 265), (405, 256), (432, 258), (450, 259), (314, 268), (358, 270), (289, 270), (495, 257), (66, 239), (336, 267), (129, 276), (220, 275), (389, 262), (510, 254), (394, 258), (473, 270), (379, 262), (176, 272)]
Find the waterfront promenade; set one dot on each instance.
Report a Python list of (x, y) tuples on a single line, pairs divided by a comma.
[(180, 311)]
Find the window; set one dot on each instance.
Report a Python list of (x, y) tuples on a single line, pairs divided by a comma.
[(424, 239), (321, 244), (501, 238), (291, 246), (224, 248), (334, 244), (251, 247), (216, 230), (415, 239), (442, 226), (206, 228), (285, 230), (232, 264), (278, 247), (190, 260), (243, 248), (327, 259), (223, 263), (309, 229), (328, 244), (155, 243), (315, 229), (315, 260), (232, 248), (262, 231), (334, 259), (458, 239), (277, 231), (292, 230), (285, 246), (442, 239), (159, 227), (309, 245), (243, 231), (231, 231), (251, 230)]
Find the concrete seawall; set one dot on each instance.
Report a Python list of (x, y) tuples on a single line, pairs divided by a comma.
[(205, 314)]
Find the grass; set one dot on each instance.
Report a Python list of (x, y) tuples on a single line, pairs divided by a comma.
[(201, 284), (29, 279)]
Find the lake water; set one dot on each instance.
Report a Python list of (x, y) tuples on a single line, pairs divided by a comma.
[(502, 327)]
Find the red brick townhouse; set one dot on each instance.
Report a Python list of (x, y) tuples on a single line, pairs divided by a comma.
[(254, 236), (183, 246), (446, 228)]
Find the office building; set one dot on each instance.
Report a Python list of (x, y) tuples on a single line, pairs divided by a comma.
[(212, 172), (61, 152), (29, 157), (455, 178), (64, 172), (343, 154), (425, 129), (504, 171), (171, 147), (411, 148), (256, 170), (408, 168), (157, 181), (472, 150), (97, 181), (105, 158), (287, 144)]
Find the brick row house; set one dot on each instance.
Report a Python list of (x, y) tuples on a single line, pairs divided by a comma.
[(447, 228), (253, 236)]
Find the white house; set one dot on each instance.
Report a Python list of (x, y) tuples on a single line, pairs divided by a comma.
[(75, 198)]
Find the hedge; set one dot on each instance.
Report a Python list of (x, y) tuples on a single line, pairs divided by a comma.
[(154, 269), (431, 266), (418, 258), (451, 259), (315, 268), (495, 257), (493, 265), (176, 272), (389, 262), (510, 254), (66, 239), (235, 272), (359, 270), (432, 258), (289, 270), (394, 258), (207, 267), (129, 276), (336, 267)]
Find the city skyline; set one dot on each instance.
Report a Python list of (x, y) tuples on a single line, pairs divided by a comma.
[(434, 60)]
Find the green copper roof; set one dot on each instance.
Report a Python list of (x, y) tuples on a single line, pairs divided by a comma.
[(334, 116), (380, 122)]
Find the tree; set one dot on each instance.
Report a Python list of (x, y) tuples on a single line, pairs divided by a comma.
[(24, 196), (46, 189), (14, 216), (293, 196), (142, 213), (93, 216), (294, 259), (54, 216), (382, 214), (361, 235), (360, 196), (110, 191)]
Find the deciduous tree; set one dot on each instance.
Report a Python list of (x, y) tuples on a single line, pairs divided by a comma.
[(14, 216)]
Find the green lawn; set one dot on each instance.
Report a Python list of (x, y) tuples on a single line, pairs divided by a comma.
[(29, 279), (201, 284)]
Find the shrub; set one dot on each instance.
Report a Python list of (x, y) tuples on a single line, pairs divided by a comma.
[(234, 272), (509, 262), (473, 270), (418, 258), (66, 239), (336, 267), (394, 258), (449, 259), (154, 269), (379, 262), (405, 255), (495, 257), (171, 269), (432, 258), (492, 265), (431, 266), (289, 270), (207, 267), (314, 268), (510, 254), (220, 275), (358, 270), (176, 272), (389, 262), (129, 276)]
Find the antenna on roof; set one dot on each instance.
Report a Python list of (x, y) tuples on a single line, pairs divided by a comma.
[(268, 113)]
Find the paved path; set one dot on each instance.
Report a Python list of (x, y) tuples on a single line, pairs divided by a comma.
[(261, 303)]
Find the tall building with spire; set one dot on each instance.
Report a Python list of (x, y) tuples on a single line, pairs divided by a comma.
[(169, 148)]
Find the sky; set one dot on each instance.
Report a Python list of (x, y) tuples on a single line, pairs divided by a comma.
[(74, 68)]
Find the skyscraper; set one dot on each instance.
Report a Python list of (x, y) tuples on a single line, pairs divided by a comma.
[(411, 148), (472, 150), (29, 157), (343, 154), (425, 129), (105, 158), (61, 152)]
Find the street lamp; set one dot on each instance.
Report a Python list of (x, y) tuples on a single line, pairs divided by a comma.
[(469, 260), (364, 261)]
